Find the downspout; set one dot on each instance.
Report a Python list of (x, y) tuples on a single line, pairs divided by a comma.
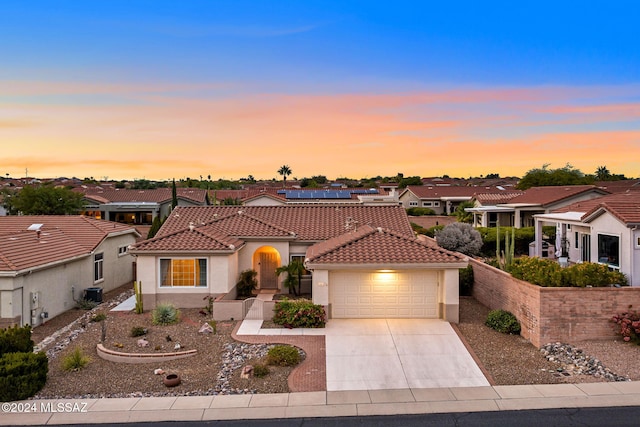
[(632, 256)]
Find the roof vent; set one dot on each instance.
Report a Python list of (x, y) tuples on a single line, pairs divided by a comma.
[(192, 226), (34, 227), (240, 212), (379, 229), (232, 247)]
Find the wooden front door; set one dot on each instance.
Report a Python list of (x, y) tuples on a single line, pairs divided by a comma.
[(268, 264)]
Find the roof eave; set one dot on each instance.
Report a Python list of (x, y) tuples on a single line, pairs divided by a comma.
[(387, 266)]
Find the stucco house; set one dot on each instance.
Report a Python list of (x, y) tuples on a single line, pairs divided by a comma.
[(603, 230), (364, 261), (47, 262), (443, 200)]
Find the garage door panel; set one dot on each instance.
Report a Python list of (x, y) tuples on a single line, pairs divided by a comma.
[(386, 295)]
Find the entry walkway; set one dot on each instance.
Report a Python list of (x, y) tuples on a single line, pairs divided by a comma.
[(325, 404)]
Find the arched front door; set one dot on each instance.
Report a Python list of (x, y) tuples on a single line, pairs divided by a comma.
[(265, 261)]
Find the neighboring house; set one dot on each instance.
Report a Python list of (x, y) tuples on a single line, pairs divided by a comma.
[(137, 207), (46, 263), (281, 197), (488, 213), (365, 261), (443, 200), (603, 230), (519, 211)]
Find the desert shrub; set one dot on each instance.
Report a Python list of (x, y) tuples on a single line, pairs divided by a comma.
[(420, 211), (460, 237), (22, 374), (98, 317), (16, 340), (465, 281), (300, 313), (165, 314), (138, 331), (503, 321), (283, 355), (247, 283), (260, 370), (86, 304), (76, 360), (628, 325), (592, 274), (214, 325), (539, 271)]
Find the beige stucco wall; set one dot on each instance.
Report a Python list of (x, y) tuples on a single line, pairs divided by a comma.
[(629, 252), (245, 257)]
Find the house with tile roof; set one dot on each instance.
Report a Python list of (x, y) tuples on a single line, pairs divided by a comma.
[(520, 209), (443, 200), (604, 230), (137, 207), (47, 262), (364, 261)]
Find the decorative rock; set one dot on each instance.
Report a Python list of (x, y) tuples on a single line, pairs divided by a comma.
[(247, 371), (206, 329), (575, 361), (177, 346), (143, 343), (158, 372)]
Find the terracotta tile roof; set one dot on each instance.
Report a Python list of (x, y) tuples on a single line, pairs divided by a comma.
[(369, 245), (553, 194), (197, 240), (495, 198), (61, 238), (156, 195), (242, 224), (308, 222), (438, 192), (619, 186), (624, 206)]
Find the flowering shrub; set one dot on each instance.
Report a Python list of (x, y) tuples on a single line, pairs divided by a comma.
[(546, 272), (629, 322), (299, 314)]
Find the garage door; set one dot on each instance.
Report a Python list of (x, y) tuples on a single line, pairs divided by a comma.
[(383, 295)]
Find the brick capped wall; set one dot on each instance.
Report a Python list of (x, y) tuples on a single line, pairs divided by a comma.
[(553, 314)]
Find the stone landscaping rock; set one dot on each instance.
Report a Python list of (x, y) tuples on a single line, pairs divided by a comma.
[(575, 362)]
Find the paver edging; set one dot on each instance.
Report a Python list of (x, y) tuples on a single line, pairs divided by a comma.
[(121, 357)]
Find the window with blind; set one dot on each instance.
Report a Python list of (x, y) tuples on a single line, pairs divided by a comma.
[(183, 272)]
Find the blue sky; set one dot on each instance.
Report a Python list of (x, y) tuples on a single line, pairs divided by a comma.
[(477, 77)]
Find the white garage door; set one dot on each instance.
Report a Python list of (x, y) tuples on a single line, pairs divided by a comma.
[(371, 295)]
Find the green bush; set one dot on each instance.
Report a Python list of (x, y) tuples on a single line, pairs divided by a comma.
[(260, 370), (138, 331), (76, 360), (16, 340), (503, 321), (247, 283), (548, 273), (22, 375), (98, 317), (523, 237), (420, 211), (300, 313), (86, 304), (165, 314), (283, 355), (465, 281)]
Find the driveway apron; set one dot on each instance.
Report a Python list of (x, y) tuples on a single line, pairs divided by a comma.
[(374, 354)]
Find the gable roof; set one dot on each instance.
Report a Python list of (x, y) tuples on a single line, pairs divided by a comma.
[(192, 240), (59, 238), (495, 198), (624, 206), (553, 194), (155, 195), (369, 245), (444, 192)]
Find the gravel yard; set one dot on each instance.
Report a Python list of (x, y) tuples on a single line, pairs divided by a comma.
[(506, 359)]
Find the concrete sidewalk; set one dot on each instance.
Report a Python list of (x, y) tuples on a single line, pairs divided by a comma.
[(321, 404)]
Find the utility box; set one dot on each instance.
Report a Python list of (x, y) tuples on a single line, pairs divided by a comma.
[(93, 294)]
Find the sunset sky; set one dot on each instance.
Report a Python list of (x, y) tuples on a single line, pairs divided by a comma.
[(173, 89)]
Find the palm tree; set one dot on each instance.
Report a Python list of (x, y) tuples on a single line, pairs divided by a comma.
[(602, 173), (295, 269), (285, 171)]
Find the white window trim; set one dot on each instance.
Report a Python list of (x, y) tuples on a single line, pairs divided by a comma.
[(599, 233), (413, 203), (123, 250), (182, 287), (436, 204), (95, 264)]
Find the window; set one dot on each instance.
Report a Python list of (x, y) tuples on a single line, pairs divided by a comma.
[(436, 204), (576, 237), (301, 259), (98, 267), (609, 250), (413, 203), (123, 250), (427, 204), (183, 272)]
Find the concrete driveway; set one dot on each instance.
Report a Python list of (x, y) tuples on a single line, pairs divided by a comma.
[(372, 354)]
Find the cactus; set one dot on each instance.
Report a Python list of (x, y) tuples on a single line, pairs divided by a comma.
[(137, 287), (505, 258)]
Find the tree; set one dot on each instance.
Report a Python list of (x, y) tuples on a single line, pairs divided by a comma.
[(411, 180), (44, 200), (603, 174), (295, 269), (460, 237), (174, 194), (462, 215), (285, 171), (544, 176)]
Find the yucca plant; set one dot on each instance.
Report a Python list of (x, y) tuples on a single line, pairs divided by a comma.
[(76, 360), (165, 314)]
